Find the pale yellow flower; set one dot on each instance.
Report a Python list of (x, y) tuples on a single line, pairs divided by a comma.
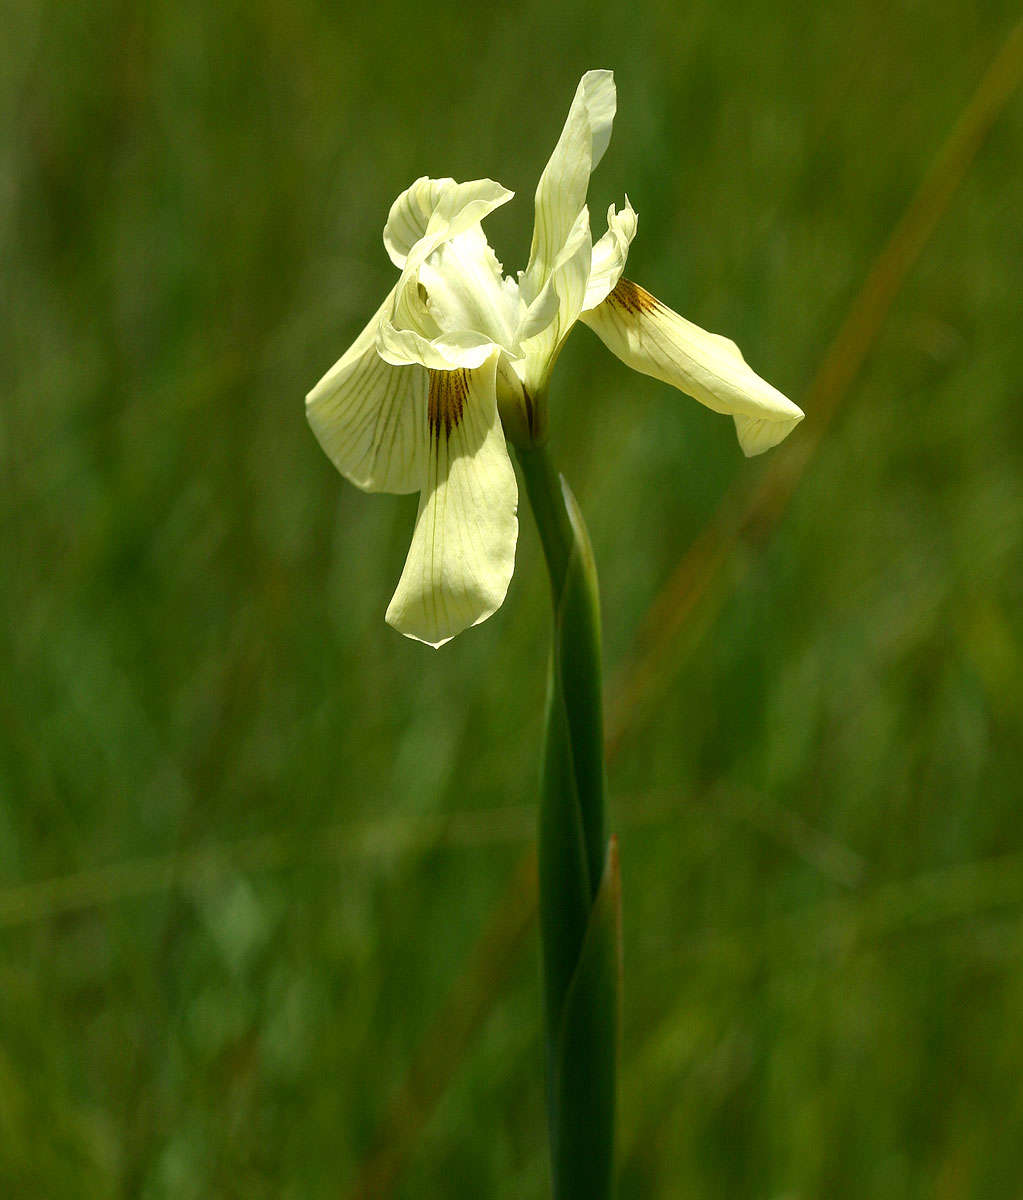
[(459, 354)]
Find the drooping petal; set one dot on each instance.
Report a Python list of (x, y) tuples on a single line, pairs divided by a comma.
[(651, 338), (610, 254), (463, 550), (441, 208), (561, 192), (367, 415)]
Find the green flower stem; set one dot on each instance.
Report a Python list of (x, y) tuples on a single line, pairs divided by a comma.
[(580, 925)]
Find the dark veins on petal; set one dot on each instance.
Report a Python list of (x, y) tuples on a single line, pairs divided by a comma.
[(448, 392), (633, 298)]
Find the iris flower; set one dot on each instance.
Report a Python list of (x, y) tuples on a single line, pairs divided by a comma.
[(459, 356)]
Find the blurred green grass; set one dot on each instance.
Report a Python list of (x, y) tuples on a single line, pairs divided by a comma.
[(249, 836)]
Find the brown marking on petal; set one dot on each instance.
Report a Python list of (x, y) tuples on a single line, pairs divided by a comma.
[(633, 298), (446, 403)]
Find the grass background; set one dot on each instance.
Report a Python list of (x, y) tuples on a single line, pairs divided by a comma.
[(265, 917)]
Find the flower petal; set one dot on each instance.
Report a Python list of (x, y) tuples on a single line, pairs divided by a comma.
[(465, 288), (463, 550), (652, 339), (368, 415), (441, 207), (442, 352), (561, 192), (409, 332), (610, 254), (451, 306), (550, 317), (410, 214)]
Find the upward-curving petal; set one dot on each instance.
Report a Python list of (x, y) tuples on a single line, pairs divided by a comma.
[(464, 288), (463, 549), (435, 210), (550, 317), (410, 214), (561, 192), (451, 306), (367, 416), (610, 254), (649, 337)]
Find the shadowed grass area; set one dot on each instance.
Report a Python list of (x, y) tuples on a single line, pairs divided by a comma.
[(249, 837)]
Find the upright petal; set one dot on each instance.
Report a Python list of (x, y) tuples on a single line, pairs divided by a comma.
[(367, 415), (549, 319), (561, 192), (463, 550), (441, 208), (451, 306), (465, 288), (652, 339), (410, 214), (610, 254)]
